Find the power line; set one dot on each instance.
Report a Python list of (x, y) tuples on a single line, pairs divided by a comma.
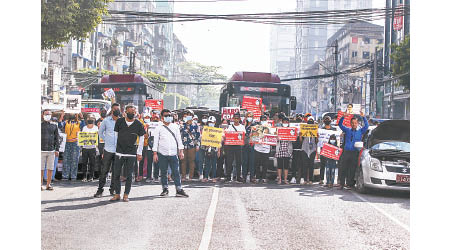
[(177, 1)]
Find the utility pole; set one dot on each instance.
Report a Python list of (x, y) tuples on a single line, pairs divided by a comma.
[(375, 64), (335, 73), (132, 60)]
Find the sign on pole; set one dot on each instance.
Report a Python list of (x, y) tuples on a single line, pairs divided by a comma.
[(212, 137), (72, 104), (397, 23), (309, 130), (228, 112), (87, 139)]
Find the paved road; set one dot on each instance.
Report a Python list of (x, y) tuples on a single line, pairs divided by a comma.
[(224, 216)]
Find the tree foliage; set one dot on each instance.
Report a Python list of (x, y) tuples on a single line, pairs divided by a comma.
[(400, 62), (62, 20), (88, 76), (153, 77), (182, 101)]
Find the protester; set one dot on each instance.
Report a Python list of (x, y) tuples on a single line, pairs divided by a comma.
[(140, 175), (309, 146), (49, 146), (101, 142), (107, 134), (200, 154), (330, 164), (326, 126), (190, 135), (150, 164), (350, 154), (71, 127), (234, 152), (248, 152), (298, 170), (88, 152), (167, 145), (211, 155), (262, 156), (220, 173), (283, 154), (129, 131)]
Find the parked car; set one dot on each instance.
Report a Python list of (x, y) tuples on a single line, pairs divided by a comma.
[(384, 161)]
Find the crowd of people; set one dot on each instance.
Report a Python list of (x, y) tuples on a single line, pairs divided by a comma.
[(170, 149)]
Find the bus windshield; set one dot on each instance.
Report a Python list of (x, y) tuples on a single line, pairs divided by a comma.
[(273, 104)]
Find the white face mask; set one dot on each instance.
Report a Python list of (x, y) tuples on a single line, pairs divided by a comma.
[(332, 141), (168, 119), (47, 118), (249, 119), (204, 120), (285, 125), (211, 124), (147, 120)]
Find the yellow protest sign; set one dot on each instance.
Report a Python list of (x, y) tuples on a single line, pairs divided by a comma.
[(87, 139), (212, 137), (309, 130)]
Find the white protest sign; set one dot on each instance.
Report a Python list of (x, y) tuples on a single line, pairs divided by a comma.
[(352, 108), (72, 104), (324, 136)]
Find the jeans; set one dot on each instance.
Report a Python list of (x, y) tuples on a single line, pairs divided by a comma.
[(248, 161), (261, 160), (323, 161), (189, 160), (107, 165), (331, 168), (308, 165), (88, 154), (164, 162), (210, 165), (127, 162), (70, 162), (348, 167), (200, 160), (233, 152)]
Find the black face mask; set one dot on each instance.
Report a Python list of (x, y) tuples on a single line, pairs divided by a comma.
[(116, 113), (90, 121), (310, 122), (130, 116), (103, 115), (327, 122)]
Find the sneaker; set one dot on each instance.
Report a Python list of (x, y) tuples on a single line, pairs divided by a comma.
[(84, 180), (111, 192), (264, 181), (91, 180), (165, 192), (228, 180), (302, 181), (240, 180), (200, 177), (181, 193), (293, 180), (98, 194), (156, 180), (320, 182), (148, 180)]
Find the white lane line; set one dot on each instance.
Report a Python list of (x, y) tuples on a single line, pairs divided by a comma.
[(207, 231), (246, 233), (382, 211)]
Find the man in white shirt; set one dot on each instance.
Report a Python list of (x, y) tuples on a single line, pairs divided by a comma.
[(234, 152), (167, 147)]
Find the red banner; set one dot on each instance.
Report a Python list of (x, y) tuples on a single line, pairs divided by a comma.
[(155, 104), (252, 104), (234, 138), (347, 119), (331, 151), (228, 112), (270, 140), (90, 110), (271, 122), (287, 134), (398, 18)]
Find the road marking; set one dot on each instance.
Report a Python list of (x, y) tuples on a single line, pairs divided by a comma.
[(246, 233), (382, 211), (207, 231)]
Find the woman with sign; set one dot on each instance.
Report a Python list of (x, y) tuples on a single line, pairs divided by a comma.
[(283, 154), (309, 148)]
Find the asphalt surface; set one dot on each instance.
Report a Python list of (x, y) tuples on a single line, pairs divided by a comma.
[(244, 216)]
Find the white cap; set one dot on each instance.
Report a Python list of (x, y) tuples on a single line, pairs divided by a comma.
[(211, 119), (310, 118), (195, 116)]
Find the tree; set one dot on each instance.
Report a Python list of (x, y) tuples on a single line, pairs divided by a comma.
[(153, 77), (62, 20), (400, 62), (182, 101), (87, 76)]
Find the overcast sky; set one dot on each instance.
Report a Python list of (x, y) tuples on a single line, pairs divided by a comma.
[(236, 46)]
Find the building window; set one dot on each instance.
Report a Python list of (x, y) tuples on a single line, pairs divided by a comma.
[(366, 40), (354, 54), (366, 55)]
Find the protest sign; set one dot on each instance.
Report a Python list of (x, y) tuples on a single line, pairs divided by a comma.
[(324, 136), (228, 112), (252, 104), (109, 93), (269, 139), (212, 137), (234, 138), (155, 104), (295, 125), (309, 130), (331, 151), (72, 104), (257, 133), (347, 119), (271, 123), (287, 134), (87, 138), (90, 110), (152, 126)]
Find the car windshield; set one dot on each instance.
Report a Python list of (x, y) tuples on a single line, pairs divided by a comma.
[(392, 145)]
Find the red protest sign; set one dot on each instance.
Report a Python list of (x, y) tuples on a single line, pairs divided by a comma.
[(271, 122), (90, 110), (155, 104), (234, 138), (331, 151), (252, 104), (270, 140), (347, 118), (287, 134), (228, 112)]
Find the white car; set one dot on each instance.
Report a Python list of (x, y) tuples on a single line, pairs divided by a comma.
[(384, 160)]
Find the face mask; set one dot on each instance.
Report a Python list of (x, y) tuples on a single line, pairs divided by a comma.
[(194, 121), (116, 113), (327, 122), (204, 120), (168, 119), (147, 120), (188, 118), (249, 119), (211, 124), (332, 141), (285, 125), (47, 118), (90, 121), (103, 115), (310, 122), (130, 116)]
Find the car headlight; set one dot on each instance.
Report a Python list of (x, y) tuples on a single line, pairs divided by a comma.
[(375, 164)]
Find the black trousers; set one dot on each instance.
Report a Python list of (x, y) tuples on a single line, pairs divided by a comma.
[(220, 166), (323, 161), (101, 149), (88, 155), (308, 165), (261, 164), (348, 167), (127, 162), (297, 164), (233, 152), (108, 162)]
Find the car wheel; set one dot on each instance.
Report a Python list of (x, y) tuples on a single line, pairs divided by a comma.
[(360, 181)]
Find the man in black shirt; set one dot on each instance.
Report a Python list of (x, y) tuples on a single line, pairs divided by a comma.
[(129, 131), (49, 146)]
